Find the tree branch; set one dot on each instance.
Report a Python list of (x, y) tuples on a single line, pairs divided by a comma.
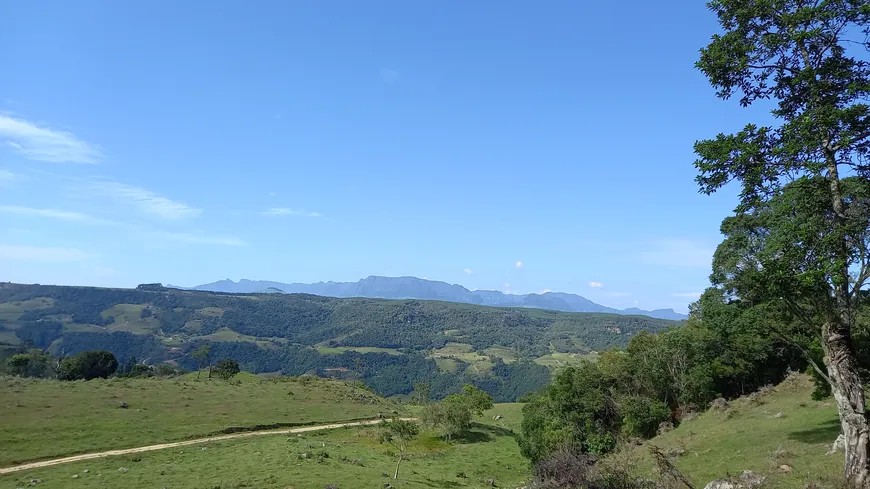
[(773, 67), (804, 352)]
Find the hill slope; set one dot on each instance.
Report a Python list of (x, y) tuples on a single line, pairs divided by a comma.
[(389, 344), (416, 288), (751, 434)]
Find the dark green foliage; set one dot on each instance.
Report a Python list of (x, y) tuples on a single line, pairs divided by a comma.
[(167, 370), (88, 365), (576, 413), (146, 313), (641, 415), (508, 382), (140, 370), (41, 333), (123, 345), (726, 349), (33, 363), (453, 416), (226, 369)]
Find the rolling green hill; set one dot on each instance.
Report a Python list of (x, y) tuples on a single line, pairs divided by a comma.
[(389, 344)]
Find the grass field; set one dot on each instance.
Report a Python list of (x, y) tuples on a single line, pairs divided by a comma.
[(463, 351), (127, 319), (558, 360), (44, 418), (350, 458), (508, 355), (750, 436)]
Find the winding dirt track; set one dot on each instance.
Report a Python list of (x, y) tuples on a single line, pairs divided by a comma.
[(151, 448)]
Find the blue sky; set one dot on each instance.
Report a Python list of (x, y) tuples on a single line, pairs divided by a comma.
[(517, 146)]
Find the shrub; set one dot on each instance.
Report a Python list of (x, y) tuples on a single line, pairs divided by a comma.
[(88, 365), (226, 369), (641, 416)]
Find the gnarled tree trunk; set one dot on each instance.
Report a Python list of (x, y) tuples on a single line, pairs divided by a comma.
[(848, 390)]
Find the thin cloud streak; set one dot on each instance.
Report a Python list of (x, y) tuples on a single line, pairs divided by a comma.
[(53, 214), (284, 211), (72, 216), (146, 201), (44, 144)]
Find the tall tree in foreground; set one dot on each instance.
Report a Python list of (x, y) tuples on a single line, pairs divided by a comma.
[(799, 235)]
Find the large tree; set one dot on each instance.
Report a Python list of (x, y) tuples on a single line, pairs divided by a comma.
[(799, 234)]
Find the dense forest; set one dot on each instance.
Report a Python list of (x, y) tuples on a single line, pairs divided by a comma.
[(279, 333)]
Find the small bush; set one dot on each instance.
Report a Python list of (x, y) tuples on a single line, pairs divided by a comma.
[(566, 469)]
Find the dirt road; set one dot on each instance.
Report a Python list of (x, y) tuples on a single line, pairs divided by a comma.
[(150, 448)]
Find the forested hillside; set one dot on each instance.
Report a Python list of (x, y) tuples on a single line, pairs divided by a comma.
[(389, 344)]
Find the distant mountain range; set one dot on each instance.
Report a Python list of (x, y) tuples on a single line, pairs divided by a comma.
[(417, 288)]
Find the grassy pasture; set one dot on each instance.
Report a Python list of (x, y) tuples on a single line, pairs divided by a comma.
[(46, 418), (348, 457)]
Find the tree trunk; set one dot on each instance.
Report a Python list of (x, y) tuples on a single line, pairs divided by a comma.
[(846, 383), (396, 475), (848, 390)]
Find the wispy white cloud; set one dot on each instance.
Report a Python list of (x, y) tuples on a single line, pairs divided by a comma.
[(145, 200), (50, 213), (284, 211), (519, 264), (389, 76), (596, 285), (35, 253), (467, 271), (678, 253), (545, 291), (150, 234), (43, 144), (507, 285), (687, 294)]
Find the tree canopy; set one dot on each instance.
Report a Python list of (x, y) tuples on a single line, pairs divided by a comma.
[(799, 234)]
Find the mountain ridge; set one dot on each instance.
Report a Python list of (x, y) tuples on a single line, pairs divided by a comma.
[(378, 287)]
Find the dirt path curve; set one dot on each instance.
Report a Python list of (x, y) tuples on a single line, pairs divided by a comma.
[(151, 448)]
